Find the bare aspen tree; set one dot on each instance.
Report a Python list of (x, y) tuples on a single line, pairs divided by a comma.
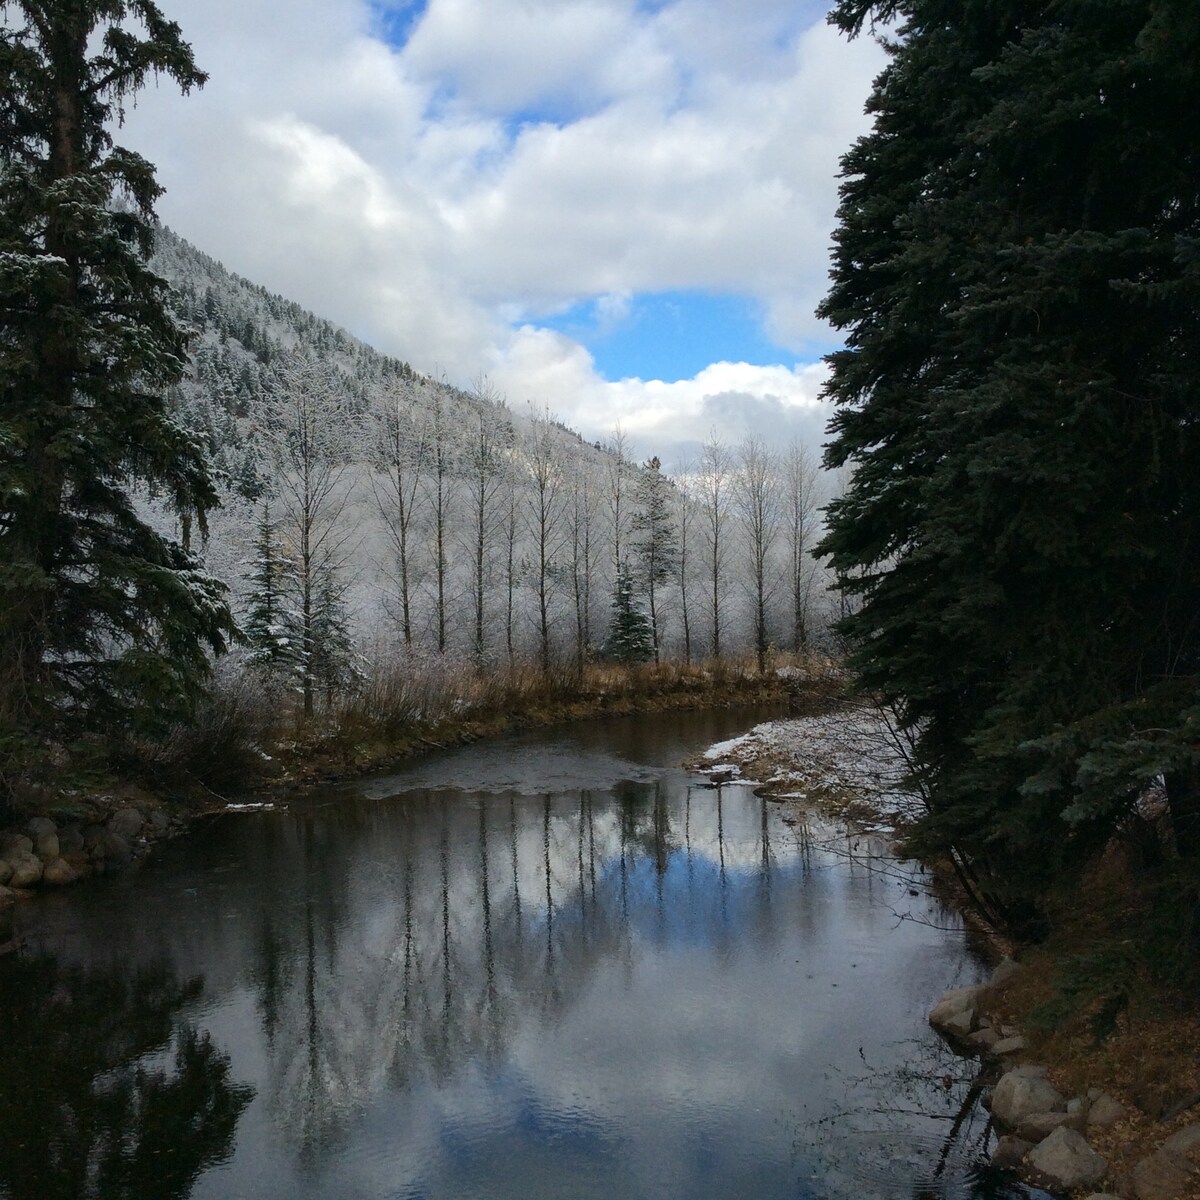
[(713, 484), (510, 531), (398, 454), (617, 464), (544, 508), (655, 542), (757, 505), (684, 519), (307, 429), (484, 461), (439, 487), (800, 510), (582, 513)]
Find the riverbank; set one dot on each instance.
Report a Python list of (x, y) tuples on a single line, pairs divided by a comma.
[(242, 753), (1093, 1013)]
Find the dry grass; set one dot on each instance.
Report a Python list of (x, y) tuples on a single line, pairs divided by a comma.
[(406, 707)]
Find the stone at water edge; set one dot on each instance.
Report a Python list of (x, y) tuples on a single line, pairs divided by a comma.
[(1006, 968), (1038, 1126), (14, 843), (46, 847), (58, 873), (1018, 1096), (952, 1005), (985, 1039), (126, 823), (27, 870), (1010, 1152), (1067, 1161), (1009, 1045)]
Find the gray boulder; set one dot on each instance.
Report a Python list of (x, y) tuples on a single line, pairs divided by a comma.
[(58, 873), (1162, 1177), (1009, 1045), (1010, 1152), (1038, 1126), (126, 823), (1105, 1112), (37, 826), (26, 869), (1018, 1096), (1064, 1160), (984, 1038), (46, 846), (1005, 970), (950, 1008), (1184, 1142), (1170, 1171), (12, 843)]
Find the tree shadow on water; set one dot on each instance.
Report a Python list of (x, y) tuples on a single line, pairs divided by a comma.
[(106, 1095)]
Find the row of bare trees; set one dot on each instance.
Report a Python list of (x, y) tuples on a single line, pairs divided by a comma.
[(468, 529)]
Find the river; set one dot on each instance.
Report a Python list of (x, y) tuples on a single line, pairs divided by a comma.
[(551, 966)]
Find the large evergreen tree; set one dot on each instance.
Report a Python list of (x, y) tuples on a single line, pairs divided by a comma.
[(1017, 271), (104, 624)]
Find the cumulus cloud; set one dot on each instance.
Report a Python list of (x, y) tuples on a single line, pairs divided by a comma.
[(440, 194)]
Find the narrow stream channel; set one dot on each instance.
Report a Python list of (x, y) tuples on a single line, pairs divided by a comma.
[(554, 966)]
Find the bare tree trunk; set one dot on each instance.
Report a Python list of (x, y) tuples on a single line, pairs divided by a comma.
[(757, 509), (800, 485), (715, 467)]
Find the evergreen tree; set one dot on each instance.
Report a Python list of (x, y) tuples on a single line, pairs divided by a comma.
[(655, 539), (630, 638), (334, 662), (271, 628), (104, 624), (1018, 271)]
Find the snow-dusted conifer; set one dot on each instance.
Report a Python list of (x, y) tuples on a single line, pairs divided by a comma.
[(271, 628), (630, 638), (105, 625)]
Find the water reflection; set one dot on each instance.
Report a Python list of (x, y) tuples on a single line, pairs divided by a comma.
[(640, 987), (104, 1093)]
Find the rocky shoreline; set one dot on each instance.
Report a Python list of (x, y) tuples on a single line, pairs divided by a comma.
[(1045, 1134), (45, 853)]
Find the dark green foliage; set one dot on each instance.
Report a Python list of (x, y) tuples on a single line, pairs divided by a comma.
[(140, 1104), (630, 638), (271, 628), (655, 540), (1018, 273), (105, 625)]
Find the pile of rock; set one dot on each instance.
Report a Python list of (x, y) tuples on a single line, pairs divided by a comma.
[(1045, 1133), (48, 853)]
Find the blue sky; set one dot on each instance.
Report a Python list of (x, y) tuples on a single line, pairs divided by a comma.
[(439, 176), (672, 336)]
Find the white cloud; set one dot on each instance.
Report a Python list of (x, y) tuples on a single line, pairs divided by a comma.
[(406, 193)]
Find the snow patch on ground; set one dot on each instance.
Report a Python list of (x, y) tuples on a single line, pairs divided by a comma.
[(851, 756)]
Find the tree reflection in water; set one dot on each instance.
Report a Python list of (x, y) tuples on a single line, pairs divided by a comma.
[(105, 1094)]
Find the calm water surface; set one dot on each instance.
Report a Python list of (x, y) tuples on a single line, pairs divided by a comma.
[(555, 966)]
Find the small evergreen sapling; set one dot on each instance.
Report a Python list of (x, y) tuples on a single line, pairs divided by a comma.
[(630, 638)]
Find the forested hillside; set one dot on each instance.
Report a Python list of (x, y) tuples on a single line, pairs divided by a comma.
[(369, 509)]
